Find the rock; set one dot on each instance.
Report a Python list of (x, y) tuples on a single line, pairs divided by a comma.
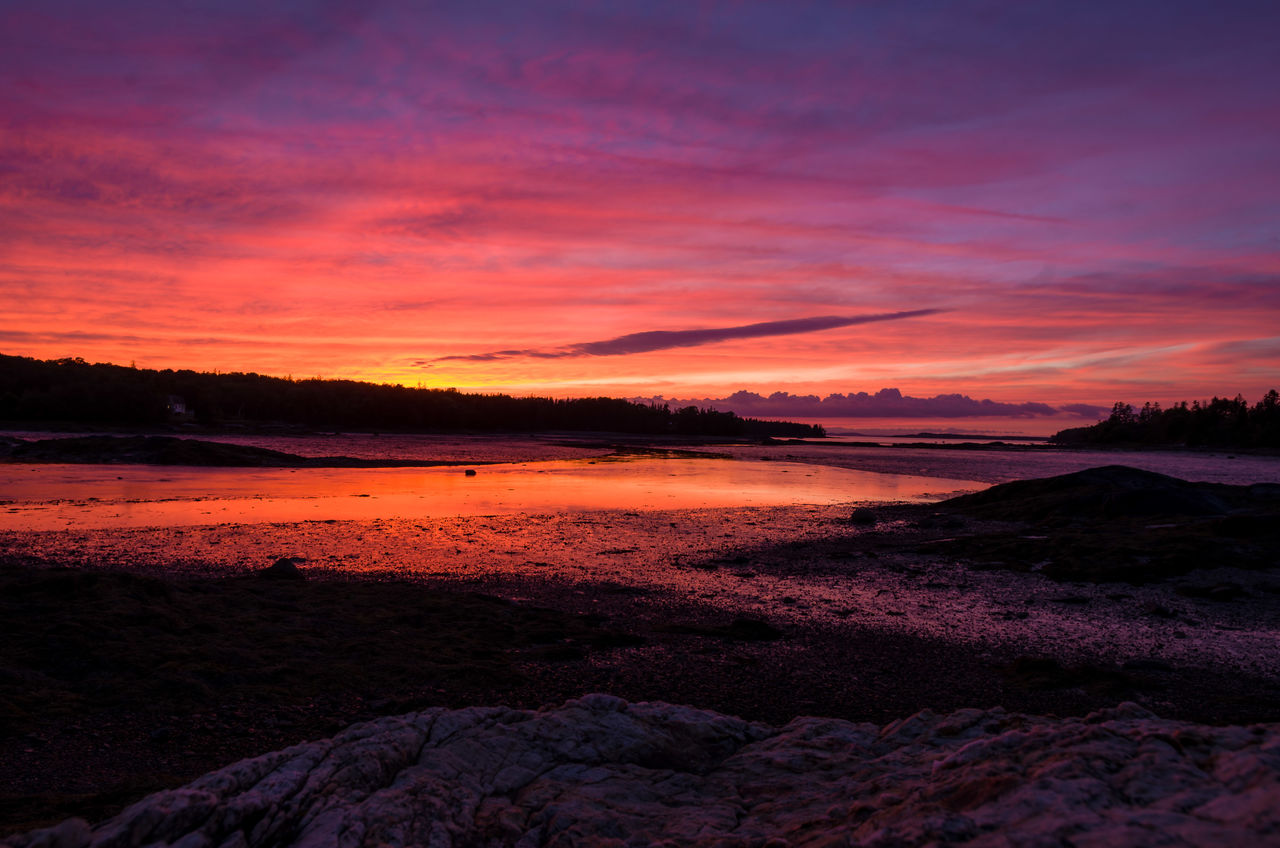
[(862, 517), (285, 568), (601, 771), (470, 472), (72, 833), (1106, 492), (1119, 524)]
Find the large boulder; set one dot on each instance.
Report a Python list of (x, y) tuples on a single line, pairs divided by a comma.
[(1106, 492), (600, 771), (1116, 523)]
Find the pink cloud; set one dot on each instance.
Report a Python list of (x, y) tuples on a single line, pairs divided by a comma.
[(1090, 195)]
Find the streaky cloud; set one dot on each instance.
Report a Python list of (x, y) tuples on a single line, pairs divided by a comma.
[(651, 340)]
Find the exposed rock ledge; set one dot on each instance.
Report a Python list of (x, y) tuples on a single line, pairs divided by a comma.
[(599, 771)]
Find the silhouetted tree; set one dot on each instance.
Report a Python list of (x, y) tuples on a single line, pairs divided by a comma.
[(1220, 422), (74, 391)]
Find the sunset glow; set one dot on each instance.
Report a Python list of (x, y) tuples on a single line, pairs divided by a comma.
[(1034, 203)]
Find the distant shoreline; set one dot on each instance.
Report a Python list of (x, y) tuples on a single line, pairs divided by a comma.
[(123, 446)]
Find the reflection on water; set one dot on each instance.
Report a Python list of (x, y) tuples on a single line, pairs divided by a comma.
[(48, 497)]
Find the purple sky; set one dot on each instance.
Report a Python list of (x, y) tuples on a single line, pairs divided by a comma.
[(1077, 202)]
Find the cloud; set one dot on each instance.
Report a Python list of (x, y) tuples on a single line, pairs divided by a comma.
[(312, 172), (886, 403), (652, 340)]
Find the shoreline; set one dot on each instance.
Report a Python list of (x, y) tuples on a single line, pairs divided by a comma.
[(764, 613), (140, 658)]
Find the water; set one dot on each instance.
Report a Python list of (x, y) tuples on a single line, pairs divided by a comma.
[(1035, 427), (540, 474), (50, 497), (404, 446), (994, 465), (730, 533)]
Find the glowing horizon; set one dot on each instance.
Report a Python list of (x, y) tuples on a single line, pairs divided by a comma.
[(1066, 206)]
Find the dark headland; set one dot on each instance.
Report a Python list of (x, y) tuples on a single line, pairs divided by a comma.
[(69, 392)]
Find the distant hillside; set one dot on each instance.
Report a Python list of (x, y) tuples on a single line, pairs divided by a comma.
[(1221, 422), (75, 391)]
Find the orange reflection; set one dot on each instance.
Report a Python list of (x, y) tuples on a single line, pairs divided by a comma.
[(54, 497)]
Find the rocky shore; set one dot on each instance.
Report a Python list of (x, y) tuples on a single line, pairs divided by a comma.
[(600, 771), (135, 661)]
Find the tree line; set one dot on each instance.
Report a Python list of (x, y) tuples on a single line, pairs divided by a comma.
[(77, 392), (1221, 422)]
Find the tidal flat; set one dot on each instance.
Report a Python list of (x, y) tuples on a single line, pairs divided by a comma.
[(138, 657)]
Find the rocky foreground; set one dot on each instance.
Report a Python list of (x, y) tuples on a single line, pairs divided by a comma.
[(600, 771)]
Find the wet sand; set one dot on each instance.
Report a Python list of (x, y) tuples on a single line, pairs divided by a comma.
[(148, 656), (806, 566)]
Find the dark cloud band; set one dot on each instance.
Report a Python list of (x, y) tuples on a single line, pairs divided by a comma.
[(652, 340)]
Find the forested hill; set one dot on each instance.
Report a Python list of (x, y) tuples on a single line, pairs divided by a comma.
[(77, 392), (1221, 422)]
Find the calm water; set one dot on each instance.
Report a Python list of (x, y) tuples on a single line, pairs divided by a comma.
[(538, 474), (442, 448), (50, 497), (1000, 466), (539, 523)]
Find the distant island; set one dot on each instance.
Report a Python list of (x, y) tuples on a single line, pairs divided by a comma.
[(1221, 422), (72, 391)]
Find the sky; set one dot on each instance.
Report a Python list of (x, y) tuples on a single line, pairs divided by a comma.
[(1045, 206)]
